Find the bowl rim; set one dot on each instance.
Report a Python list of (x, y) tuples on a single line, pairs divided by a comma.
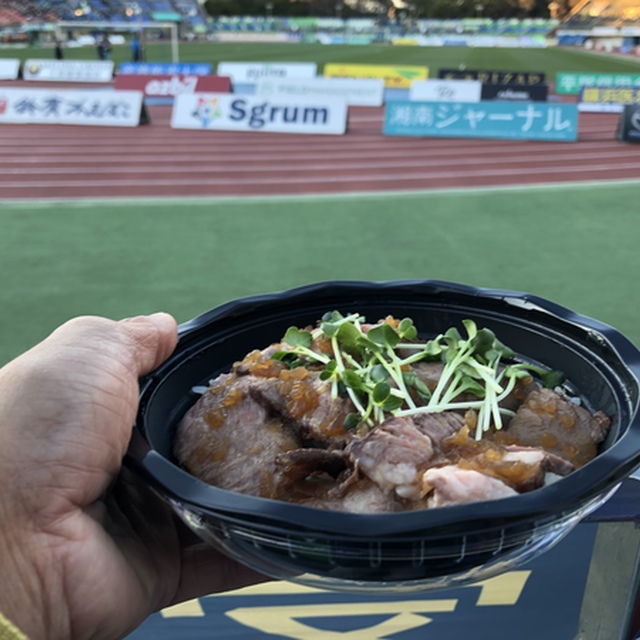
[(575, 491)]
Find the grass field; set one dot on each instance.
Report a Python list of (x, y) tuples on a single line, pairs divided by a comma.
[(550, 60), (576, 245)]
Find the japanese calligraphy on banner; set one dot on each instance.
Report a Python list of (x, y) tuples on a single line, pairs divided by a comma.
[(394, 77), (165, 68), (68, 70), (232, 112), (445, 90), (572, 83), (171, 86), (251, 72), (360, 92), (512, 120), (9, 69), (611, 100), (519, 78), (71, 106)]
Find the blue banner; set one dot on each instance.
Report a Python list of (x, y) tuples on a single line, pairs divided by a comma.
[(511, 120), (166, 68)]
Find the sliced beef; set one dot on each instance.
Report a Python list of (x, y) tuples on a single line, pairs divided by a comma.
[(229, 440), (362, 496), (521, 468), (309, 474), (327, 480), (272, 431), (438, 426), (304, 401), (451, 485), (548, 420), (395, 454), (260, 363)]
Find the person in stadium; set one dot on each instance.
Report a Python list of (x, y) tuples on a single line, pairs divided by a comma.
[(136, 50), (58, 50), (79, 557), (104, 48)]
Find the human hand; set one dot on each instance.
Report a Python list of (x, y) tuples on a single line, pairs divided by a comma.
[(78, 558)]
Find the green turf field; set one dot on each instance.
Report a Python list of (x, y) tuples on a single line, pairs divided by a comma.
[(574, 245), (550, 60)]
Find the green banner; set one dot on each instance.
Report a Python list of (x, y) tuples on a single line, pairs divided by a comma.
[(572, 83)]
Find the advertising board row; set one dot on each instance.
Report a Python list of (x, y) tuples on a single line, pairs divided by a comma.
[(305, 115), (292, 98), (356, 91), (393, 76)]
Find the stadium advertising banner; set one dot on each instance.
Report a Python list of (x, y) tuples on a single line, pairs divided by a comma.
[(251, 72), (445, 90), (394, 77), (629, 124), (572, 83), (359, 92), (169, 86), (531, 93), (518, 78), (610, 100), (71, 106), (219, 111), (166, 68), (9, 69), (510, 120), (68, 70)]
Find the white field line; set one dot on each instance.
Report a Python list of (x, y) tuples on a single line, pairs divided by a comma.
[(338, 165), (306, 179), (208, 200)]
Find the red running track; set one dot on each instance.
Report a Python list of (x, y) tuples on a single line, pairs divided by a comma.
[(48, 161)]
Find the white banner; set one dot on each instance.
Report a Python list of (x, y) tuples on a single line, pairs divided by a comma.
[(71, 106), (445, 90), (251, 72), (360, 92), (600, 107), (68, 70), (220, 111), (9, 69)]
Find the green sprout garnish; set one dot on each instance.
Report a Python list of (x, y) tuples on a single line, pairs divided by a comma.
[(373, 369)]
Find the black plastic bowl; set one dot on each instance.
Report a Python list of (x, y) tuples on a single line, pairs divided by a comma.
[(402, 551)]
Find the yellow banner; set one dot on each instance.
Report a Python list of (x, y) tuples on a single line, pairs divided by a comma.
[(405, 42), (396, 77)]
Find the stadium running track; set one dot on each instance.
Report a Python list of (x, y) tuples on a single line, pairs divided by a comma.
[(153, 160)]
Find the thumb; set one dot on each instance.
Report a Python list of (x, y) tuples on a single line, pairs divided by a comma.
[(152, 338)]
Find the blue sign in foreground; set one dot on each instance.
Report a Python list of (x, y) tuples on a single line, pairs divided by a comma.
[(511, 120)]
